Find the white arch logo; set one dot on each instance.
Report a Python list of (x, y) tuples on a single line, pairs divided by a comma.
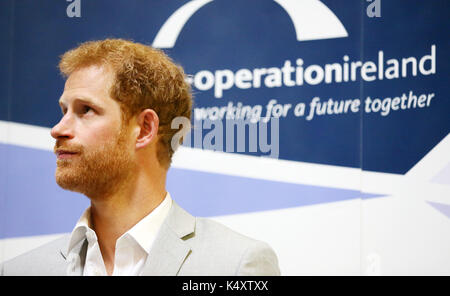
[(312, 20)]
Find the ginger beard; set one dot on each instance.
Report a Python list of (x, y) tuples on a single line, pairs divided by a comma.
[(98, 172)]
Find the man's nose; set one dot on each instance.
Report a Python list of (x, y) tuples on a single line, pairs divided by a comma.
[(64, 128)]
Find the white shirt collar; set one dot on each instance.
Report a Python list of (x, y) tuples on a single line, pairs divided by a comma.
[(144, 232)]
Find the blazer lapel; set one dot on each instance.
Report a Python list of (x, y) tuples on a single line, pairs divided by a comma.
[(75, 260), (169, 249)]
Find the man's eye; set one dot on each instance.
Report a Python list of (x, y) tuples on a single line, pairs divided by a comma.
[(86, 109)]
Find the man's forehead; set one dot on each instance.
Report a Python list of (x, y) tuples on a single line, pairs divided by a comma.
[(93, 76), (89, 83)]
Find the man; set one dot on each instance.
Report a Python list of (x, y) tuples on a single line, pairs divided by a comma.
[(113, 144)]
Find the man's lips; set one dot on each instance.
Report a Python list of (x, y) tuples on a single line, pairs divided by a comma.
[(64, 154)]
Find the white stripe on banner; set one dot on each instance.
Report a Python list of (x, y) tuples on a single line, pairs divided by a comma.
[(25, 135), (270, 169)]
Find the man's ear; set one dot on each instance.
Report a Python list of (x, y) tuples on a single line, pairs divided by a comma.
[(148, 123)]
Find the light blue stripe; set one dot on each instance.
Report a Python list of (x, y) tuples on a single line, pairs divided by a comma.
[(207, 194)]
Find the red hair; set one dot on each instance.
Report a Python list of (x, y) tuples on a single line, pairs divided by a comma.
[(145, 77)]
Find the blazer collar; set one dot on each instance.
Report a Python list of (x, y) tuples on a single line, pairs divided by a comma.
[(76, 258), (169, 249)]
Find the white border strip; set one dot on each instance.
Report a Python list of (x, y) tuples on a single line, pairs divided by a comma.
[(25, 135)]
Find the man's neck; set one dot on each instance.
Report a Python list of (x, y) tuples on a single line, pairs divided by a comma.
[(114, 215)]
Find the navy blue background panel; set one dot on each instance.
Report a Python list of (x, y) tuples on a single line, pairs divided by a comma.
[(6, 38), (249, 35), (395, 143)]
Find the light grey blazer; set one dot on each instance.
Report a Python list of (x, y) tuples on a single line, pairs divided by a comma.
[(185, 245)]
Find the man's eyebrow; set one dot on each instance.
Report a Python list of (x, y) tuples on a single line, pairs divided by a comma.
[(83, 100)]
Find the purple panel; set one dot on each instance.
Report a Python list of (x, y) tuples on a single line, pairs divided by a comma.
[(33, 203), (443, 208)]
